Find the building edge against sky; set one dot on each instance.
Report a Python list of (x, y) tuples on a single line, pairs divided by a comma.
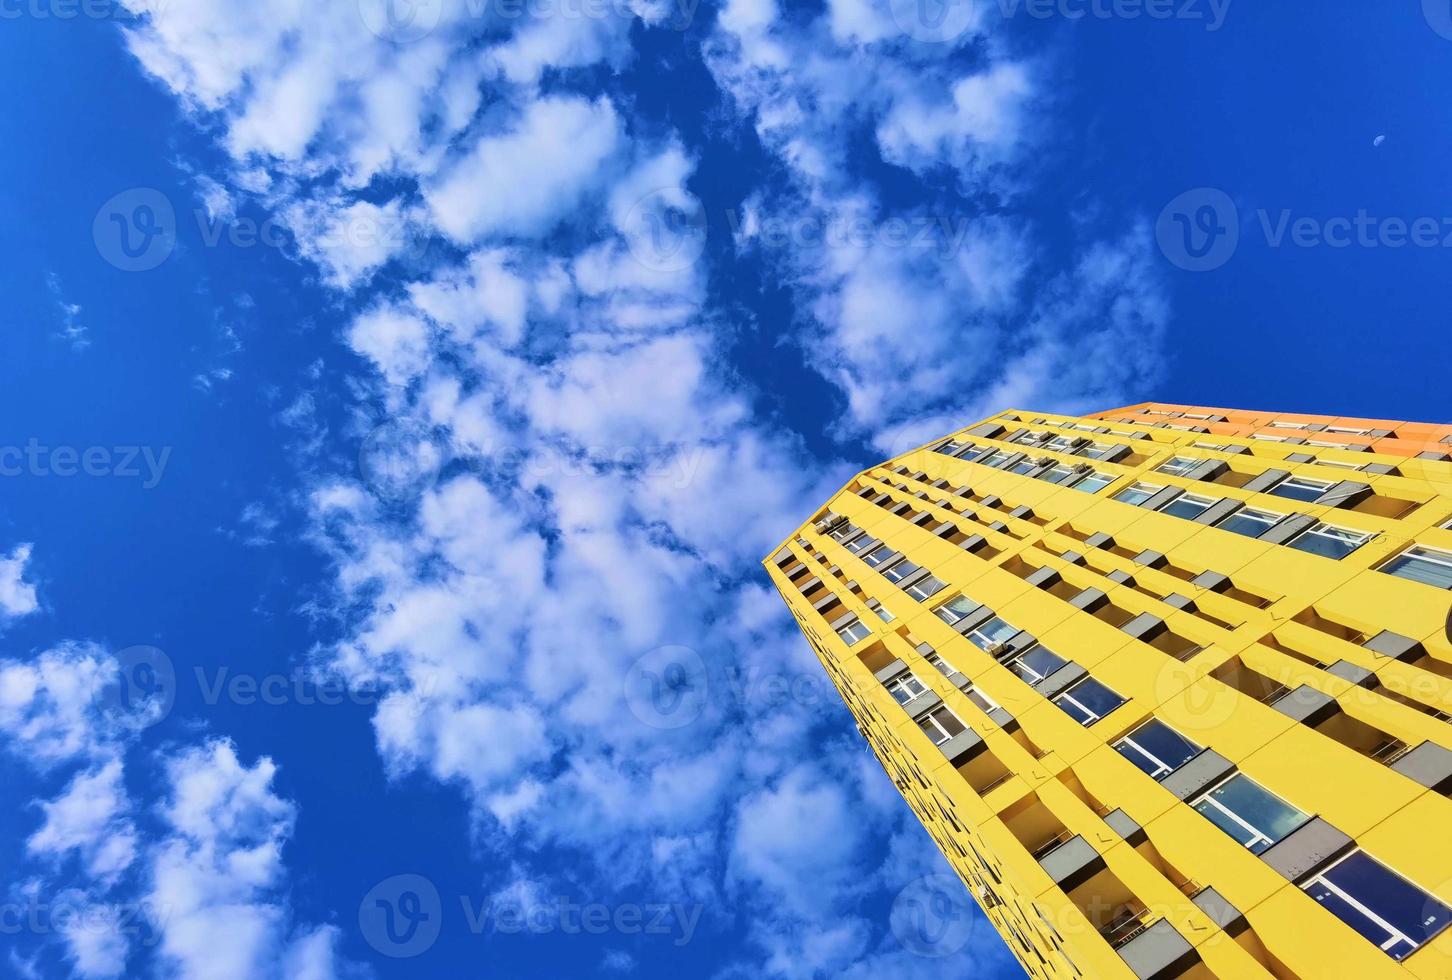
[(1169, 686)]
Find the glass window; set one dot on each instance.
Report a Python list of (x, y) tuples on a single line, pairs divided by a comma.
[(1188, 505), (1426, 565), (883, 613), (1036, 663), (1248, 812), (1338, 463), (1137, 493), (843, 531), (859, 545), (1299, 488), (925, 588), (1217, 447), (949, 448), (878, 555), (854, 632), (955, 609), (1094, 482), (1383, 906), (1348, 432), (991, 632), (983, 701), (1329, 542), (941, 665), (1251, 522), (904, 688), (1023, 466), (940, 725), (1088, 701), (996, 458), (898, 570), (1060, 444), (1157, 748), (1178, 466), (1057, 473), (1099, 450)]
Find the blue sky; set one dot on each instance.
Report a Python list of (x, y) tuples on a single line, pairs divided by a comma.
[(486, 363)]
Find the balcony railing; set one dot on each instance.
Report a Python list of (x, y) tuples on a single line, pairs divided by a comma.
[(1126, 926)]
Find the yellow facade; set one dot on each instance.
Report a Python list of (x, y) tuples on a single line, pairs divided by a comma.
[(1167, 688)]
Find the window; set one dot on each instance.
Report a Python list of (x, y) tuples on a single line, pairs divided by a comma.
[(925, 588), (859, 545), (905, 687), (949, 448), (1266, 438), (1178, 466), (992, 632), (1094, 482), (1188, 505), (1353, 446), (996, 458), (898, 570), (878, 555), (1299, 488), (955, 609), (1251, 522), (842, 531), (854, 632), (1023, 466), (1036, 663), (1288, 425), (883, 613), (942, 666), (1156, 748), (1383, 906), (1060, 444), (1248, 812), (1217, 447), (1340, 464), (1098, 450), (1088, 701), (1137, 493), (940, 725), (1426, 565), (1329, 542), (983, 701), (1057, 473)]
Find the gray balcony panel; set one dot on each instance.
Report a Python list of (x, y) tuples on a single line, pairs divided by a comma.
[(988, 430), (1213, 581), (887, 673), (1348, 671), (962, 747), (1089, 600), (1073, 557), (922, 518), (1161, 498), (923, 703), (1306, 705), (1219, 909), (1218, 511), (1120, 577), (1158, 953), (1099, 540), (1300, 458), (1439, 457), (1347, 493), (945, 529), (1264, 481), (992, 500), (1380, 469), (913, 579), (1021, 640), (1144, 627), (1072, 863), (1180, 602), (1429, 764), (1000, 717), (1021, 512), (1124, 825), (1153, 559), (1287, 528), (1060, 679), (1394, 645), (974, 543), (1116, 454), (973, 620), (1307, 849), (1199, 773), (1207, 470), (1044, 577), (827, 601)]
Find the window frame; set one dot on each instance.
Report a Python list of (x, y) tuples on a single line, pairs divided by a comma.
[(920, 592), (900, 683), (1093, 477), (1444, 559), (1260, 835), (1395, 936), (938, 609), (1162, 768), (978, 631), (1319, 529), (931, 716), (1190, 463), (1190, 497), (1141, 486), (1320, 486), (1243, 512), (842, 632), (1094, 716)]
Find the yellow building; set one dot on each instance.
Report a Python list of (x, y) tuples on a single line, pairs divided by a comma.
[(1169, 686)]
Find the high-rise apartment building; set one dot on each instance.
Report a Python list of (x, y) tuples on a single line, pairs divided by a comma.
[(1171, 687)]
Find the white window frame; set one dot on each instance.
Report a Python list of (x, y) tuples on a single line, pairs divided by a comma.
[(1141, 486), (1094, 716), (1094, 476), (1340, 464), (1242, 512), (901, 683), (975, 694), (1442, 558), (1169, 468), (848, 636), (1163, 768), (982, 640), (1197, 498), (1345, 431), (1305, 481), (943, 667), (931, 716), (1321, 528), (918, 591), (1290, 425), (990, 460), (1397, 936), (1351, 446), (1236, 818), (883, 613), (1068, 474), (938, 609)]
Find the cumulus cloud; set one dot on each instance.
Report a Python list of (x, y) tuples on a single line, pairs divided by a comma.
[(17, 596)]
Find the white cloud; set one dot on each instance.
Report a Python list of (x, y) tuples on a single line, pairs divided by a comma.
[(49, 707), (90, 818), (17, 596)]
